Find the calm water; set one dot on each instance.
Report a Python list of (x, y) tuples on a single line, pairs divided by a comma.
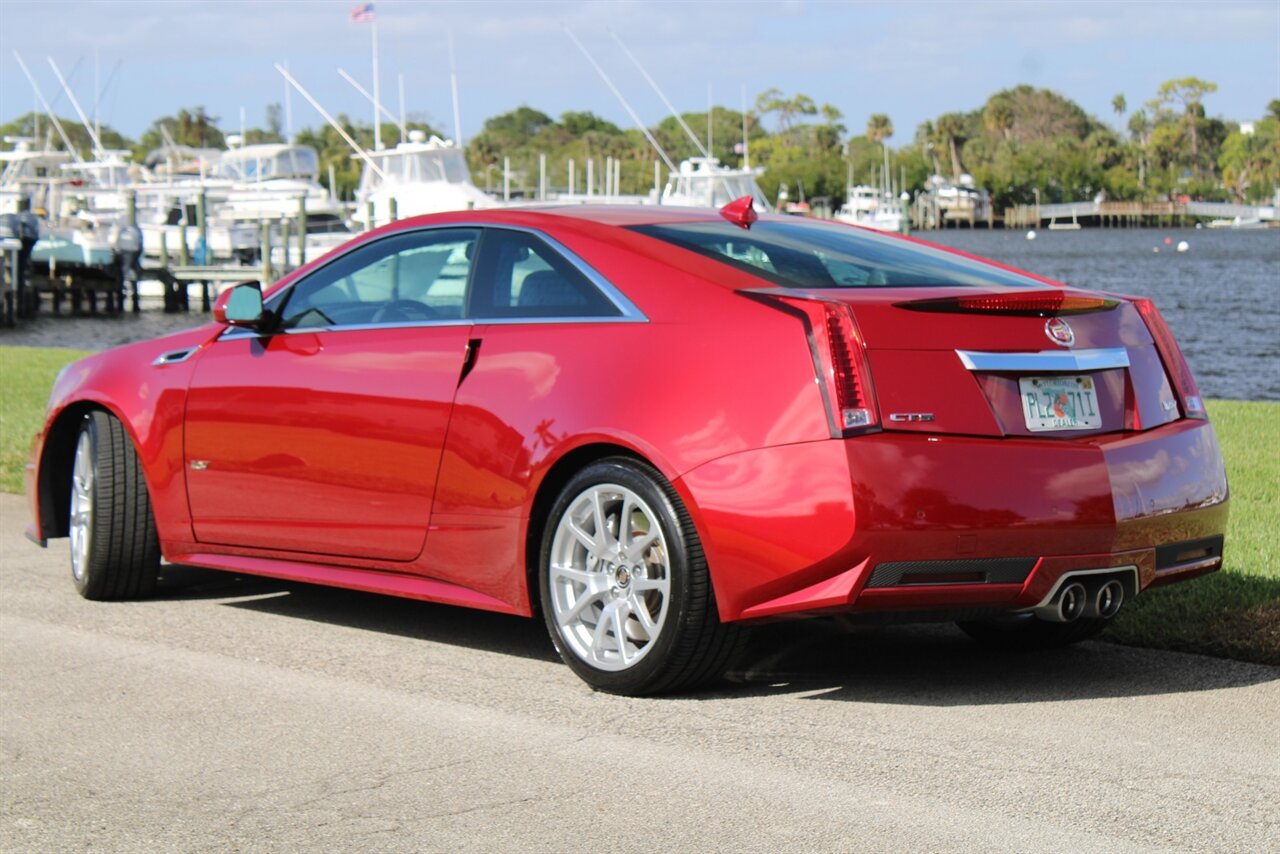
[(1221, 297)]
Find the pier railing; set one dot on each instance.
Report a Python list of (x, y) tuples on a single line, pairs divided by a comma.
[(1134, 213)]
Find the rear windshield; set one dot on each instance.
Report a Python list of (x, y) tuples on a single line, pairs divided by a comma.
[(824, 255)]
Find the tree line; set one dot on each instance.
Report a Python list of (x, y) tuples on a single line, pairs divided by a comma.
[(1023, 143)]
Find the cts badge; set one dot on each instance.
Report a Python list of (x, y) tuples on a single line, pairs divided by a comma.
[(1059, 332)]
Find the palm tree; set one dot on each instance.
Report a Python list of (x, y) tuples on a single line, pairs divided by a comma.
[(880, 128), (951, 127), (998, 117), (1119, 104)]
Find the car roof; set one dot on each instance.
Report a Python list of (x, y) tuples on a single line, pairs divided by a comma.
[(614, 215)]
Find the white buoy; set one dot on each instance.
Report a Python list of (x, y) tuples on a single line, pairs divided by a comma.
[(1031, 235), (1183, 246)]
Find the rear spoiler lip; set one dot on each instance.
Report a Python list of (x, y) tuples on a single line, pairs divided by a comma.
[(1046, 303)]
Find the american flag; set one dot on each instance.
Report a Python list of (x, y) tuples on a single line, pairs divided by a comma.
[(362, 14)]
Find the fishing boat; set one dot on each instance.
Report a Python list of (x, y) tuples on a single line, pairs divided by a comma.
[(870, 207), (420, 176), (702, 182)]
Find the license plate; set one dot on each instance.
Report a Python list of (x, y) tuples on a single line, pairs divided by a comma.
[(1059, 403)]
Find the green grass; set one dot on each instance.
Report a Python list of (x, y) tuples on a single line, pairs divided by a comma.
[(26, 376), (1234, 613)]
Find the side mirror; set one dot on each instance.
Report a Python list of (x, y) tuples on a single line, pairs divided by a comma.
[(240, 305)]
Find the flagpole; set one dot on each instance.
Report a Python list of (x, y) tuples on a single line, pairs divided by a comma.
[(377, 120)]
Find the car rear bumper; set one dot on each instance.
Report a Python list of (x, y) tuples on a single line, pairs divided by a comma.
[(899, 522)]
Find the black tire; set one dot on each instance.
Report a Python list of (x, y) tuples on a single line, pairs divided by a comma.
[(115, 550), (1028, 632), (691, 646)]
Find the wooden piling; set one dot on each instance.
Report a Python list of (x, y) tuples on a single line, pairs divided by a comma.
[(302, 230)]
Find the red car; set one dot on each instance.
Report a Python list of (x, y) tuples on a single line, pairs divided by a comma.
[(655, 426)]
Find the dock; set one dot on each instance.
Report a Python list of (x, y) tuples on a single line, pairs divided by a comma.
[(1135, 214)]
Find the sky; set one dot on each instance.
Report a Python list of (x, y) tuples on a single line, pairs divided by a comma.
[(910, 59)]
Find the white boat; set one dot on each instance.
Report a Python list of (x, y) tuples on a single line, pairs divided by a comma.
[(422, 176), (31, 177), (269, 181), (1239, 222), (962, 200), (701, 182), (870, 207)]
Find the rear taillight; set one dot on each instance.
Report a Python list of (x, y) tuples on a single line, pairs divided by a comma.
[(839, 360), (1174, 364), (1034, 304)]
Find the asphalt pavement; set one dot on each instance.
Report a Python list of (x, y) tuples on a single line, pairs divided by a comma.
[(240, 714)]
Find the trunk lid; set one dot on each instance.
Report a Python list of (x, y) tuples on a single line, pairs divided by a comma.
[(984, 362)]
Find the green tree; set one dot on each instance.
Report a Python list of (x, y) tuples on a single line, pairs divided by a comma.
[(1250, 162), (1189, 92), (787, 109), (81, 140), (193, 127)]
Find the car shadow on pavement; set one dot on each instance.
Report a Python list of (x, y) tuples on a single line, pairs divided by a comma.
[(938, 665), (927, 665), (409, 618)]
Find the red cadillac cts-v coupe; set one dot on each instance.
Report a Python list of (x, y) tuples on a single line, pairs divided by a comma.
[(654, 426)]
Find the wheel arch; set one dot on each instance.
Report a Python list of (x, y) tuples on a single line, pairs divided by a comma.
[(53, 477), (548, 489)]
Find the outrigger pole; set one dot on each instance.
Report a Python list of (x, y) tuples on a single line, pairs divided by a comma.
[(614, 89), (670, 107), (364, 155), (47, 109), (347, 77)]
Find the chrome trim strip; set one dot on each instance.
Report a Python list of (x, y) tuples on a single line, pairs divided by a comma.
[(1062, 579), (173, 357), (1046, 360), (1190, 566), (234, 334)]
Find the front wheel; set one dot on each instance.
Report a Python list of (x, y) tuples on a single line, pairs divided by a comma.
[(115, 553), (625, 589)]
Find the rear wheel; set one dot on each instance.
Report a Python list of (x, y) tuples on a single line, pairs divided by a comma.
[(625, 590), (1026, 631), (115, 553)]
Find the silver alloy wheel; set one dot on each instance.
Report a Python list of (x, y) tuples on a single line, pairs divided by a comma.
[(81, 505), (609, 577)]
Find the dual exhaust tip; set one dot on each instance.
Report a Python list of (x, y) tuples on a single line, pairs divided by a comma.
[(1100, 599)]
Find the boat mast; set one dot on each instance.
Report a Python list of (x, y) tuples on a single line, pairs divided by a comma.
[(403, 136), (453, 84), (377, 104), (288, 109)]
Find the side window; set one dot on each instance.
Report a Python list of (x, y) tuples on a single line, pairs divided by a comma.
[(406, 278), (523, 276)]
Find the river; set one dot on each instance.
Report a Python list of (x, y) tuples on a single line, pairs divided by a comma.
[(1221, 297)]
